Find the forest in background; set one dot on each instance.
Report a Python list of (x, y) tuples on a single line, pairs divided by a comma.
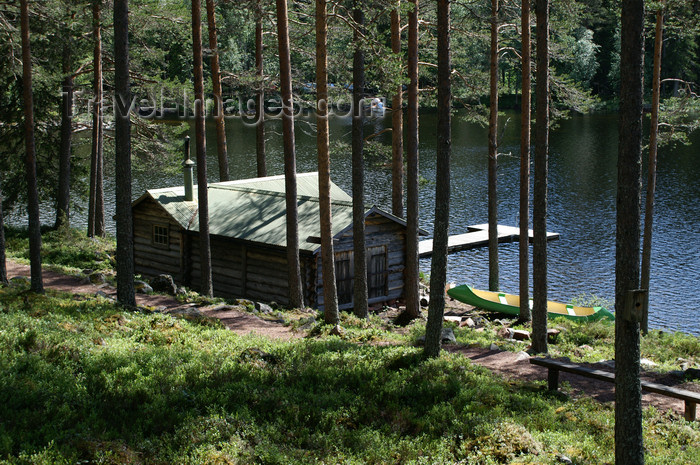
[(584, 52)]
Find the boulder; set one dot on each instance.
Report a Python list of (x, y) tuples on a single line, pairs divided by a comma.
[(20, 281), (522, 356), (469, 323), (448, 336), (97, 278), (142, 287), (263, 308), (648, 364), (187, 313), (521, 335), (337, 331), (552, 335), (494, 347), (164, 283)]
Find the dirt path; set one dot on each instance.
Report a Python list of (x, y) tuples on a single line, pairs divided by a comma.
[(507, 364), (239, 322), (511, 366)]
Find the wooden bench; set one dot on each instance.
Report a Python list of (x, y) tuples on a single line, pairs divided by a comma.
[(555, 366)]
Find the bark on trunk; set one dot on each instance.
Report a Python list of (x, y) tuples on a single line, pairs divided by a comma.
[(260, 97), (37, 284), (200, 146), (539, 211), (396, 122), (360, 293), (412, 271), (628, 396), (330, 293), (63, 193), (97, 125), (653, 151), (438, 269), (3, 264), (296, 296), (122, 140), (216, 87), (524, 251), (493, 152)]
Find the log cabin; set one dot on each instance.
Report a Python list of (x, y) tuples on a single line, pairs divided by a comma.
[(247, 225)]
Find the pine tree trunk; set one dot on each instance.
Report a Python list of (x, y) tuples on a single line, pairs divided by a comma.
[(360, 293), (122, 141), (260, 97), (539, 211), (296, 296), (206, 287), (37, 284), (653, 151), (628, 396), (396, 122), (3, 263), (493, 152), (412, 270), (64, 161), (330, 294), (525, 314), (218, 100), (98, 125), (438, 269)]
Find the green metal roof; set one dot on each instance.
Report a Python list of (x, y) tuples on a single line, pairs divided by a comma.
[(255, 209)]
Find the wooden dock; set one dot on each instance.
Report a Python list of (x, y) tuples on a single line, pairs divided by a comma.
[(477, 236)]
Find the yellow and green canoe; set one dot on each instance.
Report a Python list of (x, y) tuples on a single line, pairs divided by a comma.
[(510, 304)]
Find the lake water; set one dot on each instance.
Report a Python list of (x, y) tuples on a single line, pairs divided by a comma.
[(582, 192)]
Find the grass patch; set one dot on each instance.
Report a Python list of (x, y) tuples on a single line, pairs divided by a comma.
[(82, 381), (65, 249)]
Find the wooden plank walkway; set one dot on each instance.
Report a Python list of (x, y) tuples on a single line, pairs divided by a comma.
[(477, 236)]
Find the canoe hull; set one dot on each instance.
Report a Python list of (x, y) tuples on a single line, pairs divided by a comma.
[(504, 303)]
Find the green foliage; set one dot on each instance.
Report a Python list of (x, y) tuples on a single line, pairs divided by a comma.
[(87, 382), (66, 248)]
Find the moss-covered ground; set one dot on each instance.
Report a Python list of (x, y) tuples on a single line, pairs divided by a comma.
[(84, 381)]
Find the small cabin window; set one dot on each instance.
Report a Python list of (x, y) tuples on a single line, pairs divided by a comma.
[(377, 272), (160, 235), (343, 277)]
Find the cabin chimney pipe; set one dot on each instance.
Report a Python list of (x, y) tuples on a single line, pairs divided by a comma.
[(188, 166)]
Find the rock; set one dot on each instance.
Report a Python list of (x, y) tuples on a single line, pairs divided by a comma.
[(20, 281), (102, 294), (164, 283), (142, 287), (88, 271), (245, 303), (337, 331), (469, 323), (692, 373), (494, 347), (308, 323), (181, 291), (553, 335), (424, 301), (646, 363), (187, 313), (263, 308), (505, 333), (564, 459), (586, 348), (97, 278), (520, 335), (448, 336), (522, 356)]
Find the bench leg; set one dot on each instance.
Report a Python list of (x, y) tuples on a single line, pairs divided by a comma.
[(553, 379), (690, 410)]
